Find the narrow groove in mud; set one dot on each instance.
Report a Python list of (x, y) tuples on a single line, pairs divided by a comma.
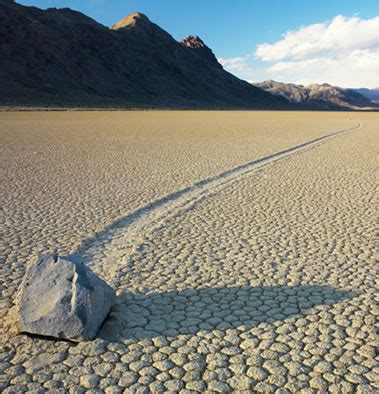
[(147, 218)]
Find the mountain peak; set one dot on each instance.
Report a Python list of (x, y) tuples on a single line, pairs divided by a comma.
[(197, 44), (193, 42), (131, 20)]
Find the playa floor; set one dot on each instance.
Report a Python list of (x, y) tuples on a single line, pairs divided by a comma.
[(233, 273)]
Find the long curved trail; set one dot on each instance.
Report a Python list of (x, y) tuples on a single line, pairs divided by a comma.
[(109, 247)]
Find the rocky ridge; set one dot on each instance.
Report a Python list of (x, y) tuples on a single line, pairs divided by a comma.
[(323, 96), (60, 57), (371, 94)]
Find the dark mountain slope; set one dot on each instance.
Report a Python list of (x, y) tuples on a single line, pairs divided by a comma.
[(371, 94), (322, 96), (63, 58)]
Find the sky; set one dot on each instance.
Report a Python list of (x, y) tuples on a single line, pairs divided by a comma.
[(297, 41)]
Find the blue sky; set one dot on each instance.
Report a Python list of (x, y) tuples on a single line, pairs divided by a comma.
[(234, 30)]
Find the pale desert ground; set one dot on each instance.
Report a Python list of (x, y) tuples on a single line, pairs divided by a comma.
[(261, 278)]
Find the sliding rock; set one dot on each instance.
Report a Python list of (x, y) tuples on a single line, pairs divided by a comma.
[(61, 297)]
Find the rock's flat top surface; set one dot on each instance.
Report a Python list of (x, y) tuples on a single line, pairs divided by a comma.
[(60, 297), (266, 284)]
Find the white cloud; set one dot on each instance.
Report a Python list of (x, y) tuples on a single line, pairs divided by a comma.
[(342, 52), (341, 35), (360, 68), (234, 64)]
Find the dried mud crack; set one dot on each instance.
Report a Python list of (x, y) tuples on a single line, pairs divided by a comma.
[(119, 239), (259, 279)]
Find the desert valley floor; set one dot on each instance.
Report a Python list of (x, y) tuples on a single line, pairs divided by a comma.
[(233, 274)]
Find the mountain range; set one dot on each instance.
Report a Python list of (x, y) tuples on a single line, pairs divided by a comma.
[(62, 58), (323, 96), (371, 94)]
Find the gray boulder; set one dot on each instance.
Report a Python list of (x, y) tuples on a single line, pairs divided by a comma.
[(62, 298)]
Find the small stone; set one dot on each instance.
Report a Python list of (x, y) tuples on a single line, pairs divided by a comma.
[(178, 359), (256, 373), (77, 390), (342, 387), (192, 376), (53, 385), (275, 367), (193, 366), (217, 364), (107, 382), (174, 385), (164, 365), (130, 357), (148, 371), (177, 373), (323, 367), (145, 380), (89, 381), (263, 387), (318, 383), (163, 377), (43, 360), (231, 351), (356, 379), (198, 385), (219, 387), (137, 365), (127, 379), (157, 388), (103, 369), (21, 379), (364, 389), (113, 390), (244, 383), (238, 369), (280, 348)]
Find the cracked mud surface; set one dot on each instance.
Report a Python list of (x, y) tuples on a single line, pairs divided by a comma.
[(265, 284)]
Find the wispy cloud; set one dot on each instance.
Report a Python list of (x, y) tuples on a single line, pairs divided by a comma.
[(342, 35), (235, 64), (343, 51), (358, 68)]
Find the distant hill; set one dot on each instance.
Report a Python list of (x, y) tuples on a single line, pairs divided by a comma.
[(371, 94), (322, 96), (60, 57)]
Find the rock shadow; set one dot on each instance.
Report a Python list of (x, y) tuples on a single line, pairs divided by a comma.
[(150, 315)]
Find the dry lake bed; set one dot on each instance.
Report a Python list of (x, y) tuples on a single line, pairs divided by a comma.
[(240, 245)]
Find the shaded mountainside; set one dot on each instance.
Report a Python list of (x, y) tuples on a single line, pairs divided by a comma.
[(323, 96), (61, 57), (371, 94)]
